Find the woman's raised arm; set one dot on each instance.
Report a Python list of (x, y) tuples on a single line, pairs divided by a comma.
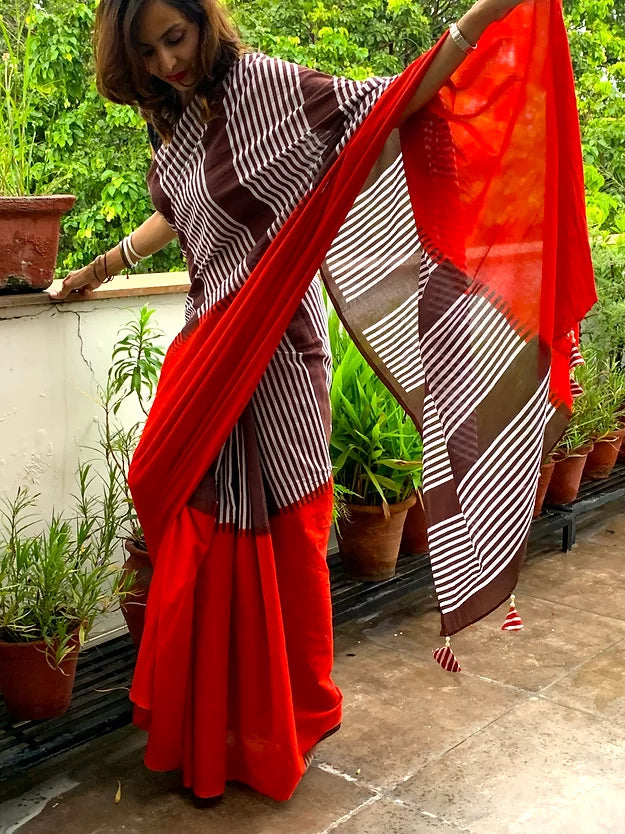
[(471, 27)]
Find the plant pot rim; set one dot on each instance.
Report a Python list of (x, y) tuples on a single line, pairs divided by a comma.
[(136, 547), (42, 203), (40, 642), (377, 509), (611, 436), (586, 449)]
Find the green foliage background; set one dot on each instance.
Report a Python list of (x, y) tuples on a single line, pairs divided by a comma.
[(100, 151)]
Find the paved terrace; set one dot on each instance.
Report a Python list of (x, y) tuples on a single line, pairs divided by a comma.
[(529, 739)]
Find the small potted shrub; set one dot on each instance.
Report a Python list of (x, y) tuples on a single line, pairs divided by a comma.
[(572, 450), (29, 225), (546, 473), (53, 584), (608, 381), (414, 538), (604, 327), (131, 382), (375, 452)]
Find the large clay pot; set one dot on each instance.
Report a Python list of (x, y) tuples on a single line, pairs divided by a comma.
[(133, 607), (546, 472), (415, 536), (602, 459), (32, 686), (567, 476), (29, 240), (369, 543)]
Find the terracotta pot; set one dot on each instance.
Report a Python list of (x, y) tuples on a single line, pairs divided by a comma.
[(602, 459), (29, 240), (415, 536), (133, 608), (546, 472), (369, 544), (33, 688), (567, 476)]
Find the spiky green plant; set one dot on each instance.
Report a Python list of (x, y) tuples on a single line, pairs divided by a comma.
[(599, 411), (55, 581), (136, 363), (376, 450)]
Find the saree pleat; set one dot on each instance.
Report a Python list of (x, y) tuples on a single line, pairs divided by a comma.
[(246, 691)]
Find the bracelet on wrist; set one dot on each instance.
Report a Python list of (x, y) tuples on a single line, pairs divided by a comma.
[(130, 255), (94, 265), (101, 259), (133, 251), (122, 255), (459, 39)]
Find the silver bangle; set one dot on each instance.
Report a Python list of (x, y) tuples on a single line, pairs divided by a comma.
[(131, 254), (132, 249), (459, 39)]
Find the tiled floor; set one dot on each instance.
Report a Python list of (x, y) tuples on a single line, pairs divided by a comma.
[(528, 739)]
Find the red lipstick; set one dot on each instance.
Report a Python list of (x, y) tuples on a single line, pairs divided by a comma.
[(177, 77)]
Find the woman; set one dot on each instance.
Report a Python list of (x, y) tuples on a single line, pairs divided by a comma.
[(232, 479)]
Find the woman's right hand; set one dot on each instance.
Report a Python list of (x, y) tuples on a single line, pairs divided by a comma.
[(80, 281)]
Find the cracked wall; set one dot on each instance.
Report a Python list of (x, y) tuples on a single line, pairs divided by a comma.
[(53, 356)]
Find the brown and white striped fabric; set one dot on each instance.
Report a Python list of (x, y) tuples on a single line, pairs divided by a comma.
[(227, 187), (405, 311)]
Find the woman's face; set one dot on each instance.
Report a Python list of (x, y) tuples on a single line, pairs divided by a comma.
[(169, 44)]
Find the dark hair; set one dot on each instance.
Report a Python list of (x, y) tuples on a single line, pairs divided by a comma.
[(121, 75)]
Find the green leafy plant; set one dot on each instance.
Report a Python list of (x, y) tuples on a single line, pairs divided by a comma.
[(55, 582), (100, 152), (18, 95), (376, 450), (600, 410), (132, 379), (604, 328)]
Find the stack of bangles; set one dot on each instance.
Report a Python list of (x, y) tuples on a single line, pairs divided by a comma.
[(129, 256)]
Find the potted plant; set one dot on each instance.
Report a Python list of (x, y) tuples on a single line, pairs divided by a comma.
[(29, 225), (53, 584), (132, 377), (414, 538), (608, 380), (572, 450), (375, 451), (546, 473)]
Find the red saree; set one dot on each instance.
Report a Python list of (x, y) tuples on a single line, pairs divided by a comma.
[(465, 304)]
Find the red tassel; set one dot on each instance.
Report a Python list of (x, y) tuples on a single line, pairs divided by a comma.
[(512, 622), (446, 658)]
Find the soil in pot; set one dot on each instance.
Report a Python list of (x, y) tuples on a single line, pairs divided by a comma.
[(133, 607), (32, 686), (415, 536), (546, 472), (369, 543), (567, 476), (602, 459)]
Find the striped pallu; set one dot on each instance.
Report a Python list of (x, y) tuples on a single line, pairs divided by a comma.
[(455, 252)]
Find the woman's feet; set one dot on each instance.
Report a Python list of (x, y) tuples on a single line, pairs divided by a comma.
[(308, 757)]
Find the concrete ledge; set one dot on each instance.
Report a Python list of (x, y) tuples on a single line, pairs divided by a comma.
[(155, 283)]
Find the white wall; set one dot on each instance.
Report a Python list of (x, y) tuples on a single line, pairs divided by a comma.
[(51, 358)]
